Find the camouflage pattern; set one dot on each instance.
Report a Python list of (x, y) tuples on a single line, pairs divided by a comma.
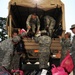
[(6, 47), (2, 53), (15, 62), (66, 44), (33, 23), (73, 53), (23, 34), (16, 39), (44, 50), (49, 24)]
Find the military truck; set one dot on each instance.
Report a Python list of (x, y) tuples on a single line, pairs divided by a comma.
[(18, 11)]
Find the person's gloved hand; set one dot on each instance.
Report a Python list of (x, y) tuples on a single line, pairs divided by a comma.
[(38, 34)]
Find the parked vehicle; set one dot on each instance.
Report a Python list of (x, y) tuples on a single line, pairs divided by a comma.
[(19, 11)]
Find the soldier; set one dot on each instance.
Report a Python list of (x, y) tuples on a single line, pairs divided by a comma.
[(14, 64), (66, 44), (21, 49), (6, 48), (44, 42), (49, 24), (33, 23), (73, 46)]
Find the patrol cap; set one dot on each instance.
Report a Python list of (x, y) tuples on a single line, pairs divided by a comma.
[(23, 34), (16, 39), (72, 27)]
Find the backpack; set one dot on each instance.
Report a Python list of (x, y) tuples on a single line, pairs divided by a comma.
[(67, 63), (3, 71), (58, 70)]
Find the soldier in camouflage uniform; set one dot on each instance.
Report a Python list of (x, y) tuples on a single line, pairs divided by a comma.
[(49, 24), (5, 52), (73, 46), (44, 49), (6, 48), (33, 23), (66, 44)]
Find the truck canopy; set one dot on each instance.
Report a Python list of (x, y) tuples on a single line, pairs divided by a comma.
[(20, 9)]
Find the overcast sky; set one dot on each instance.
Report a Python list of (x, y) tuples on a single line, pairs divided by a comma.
[(69, 11)]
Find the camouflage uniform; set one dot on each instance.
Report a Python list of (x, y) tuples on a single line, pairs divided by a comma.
[(33, 23), (49, 24), (66, 44), (6, 47), (15, 62), (73, 53), (44, 50)]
